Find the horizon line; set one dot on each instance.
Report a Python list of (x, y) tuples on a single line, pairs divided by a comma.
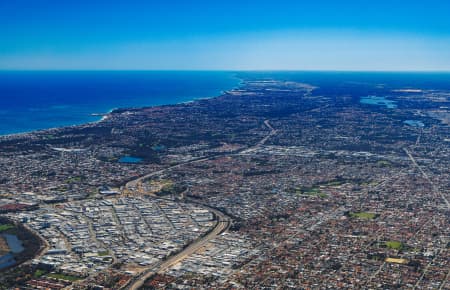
[(225, 70)]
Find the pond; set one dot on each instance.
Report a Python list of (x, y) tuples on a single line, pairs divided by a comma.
[(14, 243), (414, 123), (378, 101), (130, 159)]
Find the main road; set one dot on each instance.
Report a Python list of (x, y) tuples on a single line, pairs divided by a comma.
[(134, 183), (436, 191), (222, 221)]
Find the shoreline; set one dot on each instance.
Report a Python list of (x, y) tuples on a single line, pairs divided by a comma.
[(107, 115)]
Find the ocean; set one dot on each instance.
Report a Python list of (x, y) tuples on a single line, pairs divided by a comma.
[(37, 100), (46, 99)]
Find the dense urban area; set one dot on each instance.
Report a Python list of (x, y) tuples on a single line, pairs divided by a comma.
[(276, 184)]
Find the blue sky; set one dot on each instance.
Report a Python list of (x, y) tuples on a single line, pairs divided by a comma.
[(231, 35)]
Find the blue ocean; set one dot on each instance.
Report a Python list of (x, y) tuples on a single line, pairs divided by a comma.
[(40, 100), (46, 99)]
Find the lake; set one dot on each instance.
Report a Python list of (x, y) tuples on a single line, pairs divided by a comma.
[(130, 159), (14, 243), (378, 101)]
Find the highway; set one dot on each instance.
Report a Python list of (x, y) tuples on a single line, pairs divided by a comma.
[(135, 182), (223, 222), (263, 140)]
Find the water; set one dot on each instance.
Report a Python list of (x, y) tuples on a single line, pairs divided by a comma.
[(41, 100), (130, 159), (378, 101), (336, 84), (335, 81), (414, 123), (14, 243)]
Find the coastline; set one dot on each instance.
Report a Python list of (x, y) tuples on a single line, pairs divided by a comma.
[(105, 116)]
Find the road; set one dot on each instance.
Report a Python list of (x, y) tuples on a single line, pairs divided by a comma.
[(223, 223), (135, 182), (263, 140), (436, 191)]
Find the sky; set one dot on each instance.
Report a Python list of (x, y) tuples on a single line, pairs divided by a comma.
[(394, 35)]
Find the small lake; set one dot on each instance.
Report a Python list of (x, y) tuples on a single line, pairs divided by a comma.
[(414, 123), (159, 147), (14, 243), (378, 101), (130, 159)]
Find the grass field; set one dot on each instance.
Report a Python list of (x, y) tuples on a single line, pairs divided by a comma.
[(363, 215), (103, 253), (384, 163), (310, 191), (39, 273), (5, 227), (63, 277), (395, 245)]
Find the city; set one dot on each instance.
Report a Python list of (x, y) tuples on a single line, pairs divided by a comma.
[(277, 184)]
